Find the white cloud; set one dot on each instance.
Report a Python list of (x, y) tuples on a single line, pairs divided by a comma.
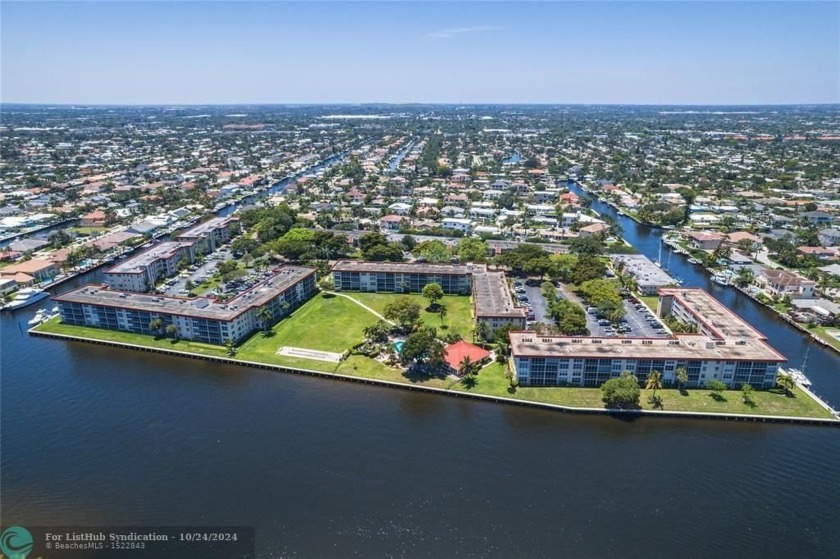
[(449, 33)]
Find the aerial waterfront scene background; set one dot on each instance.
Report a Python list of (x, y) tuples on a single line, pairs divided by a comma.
[(421, 279)]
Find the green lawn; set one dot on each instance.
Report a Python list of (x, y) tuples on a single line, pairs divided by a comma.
[(823, 333), (652, 301), (325, 323), (458, 308), (56, 327), (491, 380)]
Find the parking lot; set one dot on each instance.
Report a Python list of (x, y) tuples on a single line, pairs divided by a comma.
[(538, 304), (636, 322), (176, 286)]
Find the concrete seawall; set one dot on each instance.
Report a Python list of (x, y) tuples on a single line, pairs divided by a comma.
[(630, 414)]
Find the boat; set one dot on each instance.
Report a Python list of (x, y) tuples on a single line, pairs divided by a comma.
[(25, 297), (40, 316), (797, 376), (693, 260), (720, 279)]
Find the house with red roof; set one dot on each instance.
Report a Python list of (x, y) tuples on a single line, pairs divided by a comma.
[(454, 354)]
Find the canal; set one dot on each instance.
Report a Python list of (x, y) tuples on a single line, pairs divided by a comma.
[(823, 363), (282, 184)]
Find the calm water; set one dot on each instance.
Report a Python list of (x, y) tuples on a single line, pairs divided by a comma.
[(328, 469)]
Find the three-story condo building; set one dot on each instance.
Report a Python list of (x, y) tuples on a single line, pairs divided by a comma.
[(200, 319), (725, 348), (141, 272)]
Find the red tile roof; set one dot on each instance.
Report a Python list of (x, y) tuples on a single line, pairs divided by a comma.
[(456, 352)]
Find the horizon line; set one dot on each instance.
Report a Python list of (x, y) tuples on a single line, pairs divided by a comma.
[(419, 103)]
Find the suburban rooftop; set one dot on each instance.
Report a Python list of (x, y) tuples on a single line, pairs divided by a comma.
[(492, 296), (206, 227), (137, 264), (405, 268)]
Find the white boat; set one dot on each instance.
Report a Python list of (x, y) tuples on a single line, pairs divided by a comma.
[(25, 297), (693, 260), (40, 316), (720, 279), (798, 376)]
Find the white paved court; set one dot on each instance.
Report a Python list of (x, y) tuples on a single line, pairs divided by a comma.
[(310, 354)]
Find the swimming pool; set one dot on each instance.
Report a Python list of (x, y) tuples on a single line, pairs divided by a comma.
[(398, 345)]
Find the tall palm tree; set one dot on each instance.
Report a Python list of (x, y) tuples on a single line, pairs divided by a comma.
[(442, 312), (482, 331), (682, 377), (264, 315), (654, 381), (466, 368)]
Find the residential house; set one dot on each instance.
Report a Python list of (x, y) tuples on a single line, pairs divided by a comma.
[(391, 222), (829, 237), (779, 283), (705, 240)]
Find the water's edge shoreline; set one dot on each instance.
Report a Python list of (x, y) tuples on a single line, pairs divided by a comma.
[(630, 414)]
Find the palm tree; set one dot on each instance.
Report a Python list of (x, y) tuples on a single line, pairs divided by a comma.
[(264, 315), (785, 382), (745, 277), (466, 367), (654, 381), (172, 330), (682, 377), (442, 313), (229, 344), (482, 331), (156, 325)]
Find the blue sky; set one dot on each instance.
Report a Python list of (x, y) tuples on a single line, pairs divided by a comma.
[(448, 52)]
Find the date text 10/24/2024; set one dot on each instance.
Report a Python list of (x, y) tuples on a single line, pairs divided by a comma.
[(147, 542)]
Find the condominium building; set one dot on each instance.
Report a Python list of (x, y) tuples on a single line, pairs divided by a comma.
[(649, 277), (492, 300), (141, 272), (493, 303), (207, 236), (726, 348), (398, 277), (201, 319)]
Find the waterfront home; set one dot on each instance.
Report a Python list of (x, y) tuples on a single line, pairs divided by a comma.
[(93, 219), (726, 348), (705, 240), (820, 309), (594, 230), (39, 269), (454, 354), (779, 283)]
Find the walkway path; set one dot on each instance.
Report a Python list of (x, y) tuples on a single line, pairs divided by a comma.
[(370, 310)]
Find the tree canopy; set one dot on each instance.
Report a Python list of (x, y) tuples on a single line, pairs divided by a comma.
[(622, 392)]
